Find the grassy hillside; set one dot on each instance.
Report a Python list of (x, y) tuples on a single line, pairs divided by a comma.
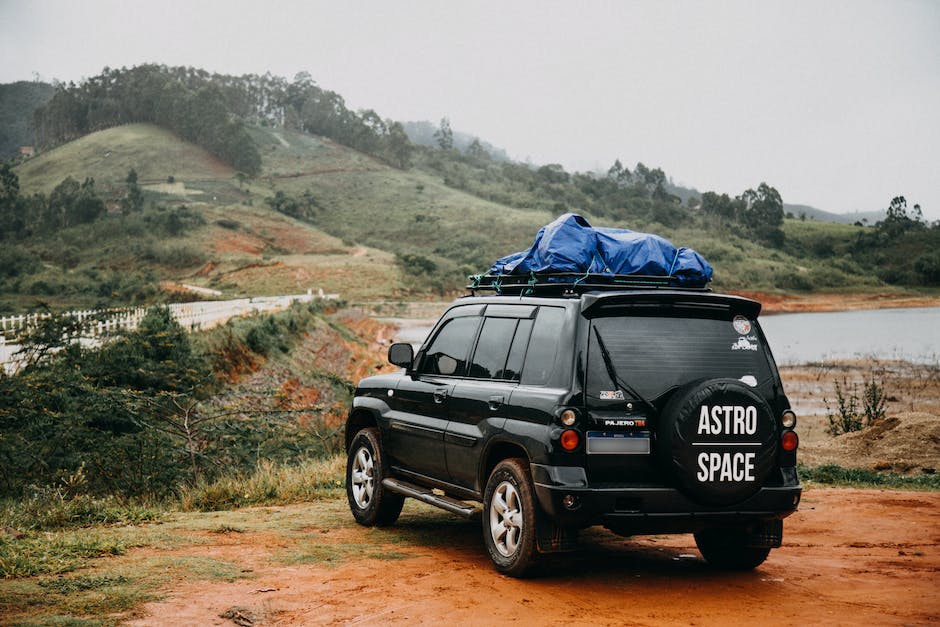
[(107, 155), (367, 230), (234, 243), (413, 212)]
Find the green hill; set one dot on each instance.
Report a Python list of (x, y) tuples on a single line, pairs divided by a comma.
[(229, 238), (155, 153), (322, 215)]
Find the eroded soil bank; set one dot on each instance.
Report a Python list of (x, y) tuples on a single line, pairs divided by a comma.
[(805, 303)]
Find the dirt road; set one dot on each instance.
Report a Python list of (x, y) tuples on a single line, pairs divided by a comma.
[(850, 557)]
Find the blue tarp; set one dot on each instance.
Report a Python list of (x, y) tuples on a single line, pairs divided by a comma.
[(571, 244)]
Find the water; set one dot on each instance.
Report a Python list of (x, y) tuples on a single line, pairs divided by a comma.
[(903, 334)]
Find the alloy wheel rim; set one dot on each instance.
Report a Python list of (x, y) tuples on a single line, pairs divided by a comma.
[(362, 478), (506, 519)]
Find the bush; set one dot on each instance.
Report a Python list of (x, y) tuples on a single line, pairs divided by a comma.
[(172, 255), (16, 261), (793, 280), (118, 420), (232, 225), (849, 418), (134, 419)]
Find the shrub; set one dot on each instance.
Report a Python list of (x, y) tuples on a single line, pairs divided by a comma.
[(849, 417), (232, 225)]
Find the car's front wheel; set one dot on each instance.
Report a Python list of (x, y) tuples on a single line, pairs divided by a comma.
[(370, 502), (727, 549), (509, 518)]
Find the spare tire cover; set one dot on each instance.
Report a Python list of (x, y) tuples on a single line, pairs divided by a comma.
[(718, 438)]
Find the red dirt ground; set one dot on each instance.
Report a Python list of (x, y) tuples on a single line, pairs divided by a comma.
[(850, 557)]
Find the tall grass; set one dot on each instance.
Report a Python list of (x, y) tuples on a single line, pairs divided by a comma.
[(831, 474), (45, 511), (55, 554), (268, 484)]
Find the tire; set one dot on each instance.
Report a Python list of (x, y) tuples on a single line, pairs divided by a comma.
[(726, 549), (509, 518), (718, 468), (371, 503)]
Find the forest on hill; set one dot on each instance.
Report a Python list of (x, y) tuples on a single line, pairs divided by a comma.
[(257, 125)]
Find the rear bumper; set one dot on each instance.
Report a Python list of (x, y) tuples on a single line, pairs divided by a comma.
[(652, 509)]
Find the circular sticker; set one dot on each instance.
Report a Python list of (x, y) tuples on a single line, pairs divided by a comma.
[(741, 324)]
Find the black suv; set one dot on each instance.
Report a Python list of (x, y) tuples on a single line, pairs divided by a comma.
[(643, 410)]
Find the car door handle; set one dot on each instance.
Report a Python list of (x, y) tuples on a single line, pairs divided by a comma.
[(496, 402), (440, 395)]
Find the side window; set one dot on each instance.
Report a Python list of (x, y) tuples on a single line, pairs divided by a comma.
[(517, 351), (543, 346), (489, 359), (448, 352)]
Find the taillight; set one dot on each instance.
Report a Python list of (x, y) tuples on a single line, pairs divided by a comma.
[(788, 419), (570, 439), (568, 417), (789, 441)]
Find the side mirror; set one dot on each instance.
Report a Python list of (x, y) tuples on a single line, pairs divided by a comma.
[(401, 354)]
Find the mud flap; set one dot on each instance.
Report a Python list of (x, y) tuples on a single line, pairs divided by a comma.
[(552, 538), (766, 534)]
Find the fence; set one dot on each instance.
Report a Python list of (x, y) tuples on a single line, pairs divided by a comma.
[(192, 316)]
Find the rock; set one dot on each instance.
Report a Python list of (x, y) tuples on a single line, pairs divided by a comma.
[(241, 616)]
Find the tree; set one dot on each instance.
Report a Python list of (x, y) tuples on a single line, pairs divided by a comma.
[(618, 173), (87, 207), (134, 198), (897, 221), (11, 218), (476, 150), (720, 206), (398, 145), (553, 173), (762, 212), (444, 135)]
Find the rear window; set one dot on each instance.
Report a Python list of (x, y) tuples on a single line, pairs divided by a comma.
[(543, 346), (656, 354), (489, 359)]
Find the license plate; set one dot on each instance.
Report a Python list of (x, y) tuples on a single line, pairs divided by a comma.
[(618, 443)]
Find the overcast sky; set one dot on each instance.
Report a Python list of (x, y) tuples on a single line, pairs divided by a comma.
[(836, 104)]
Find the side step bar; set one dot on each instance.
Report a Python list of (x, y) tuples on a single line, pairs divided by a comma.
[(426, 495)]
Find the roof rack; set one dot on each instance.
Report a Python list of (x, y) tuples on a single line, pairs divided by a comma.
[(570, 283)]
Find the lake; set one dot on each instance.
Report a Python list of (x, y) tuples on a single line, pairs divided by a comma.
[(905, 334)]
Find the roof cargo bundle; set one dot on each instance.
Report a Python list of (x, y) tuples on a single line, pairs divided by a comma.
[(570, 255)]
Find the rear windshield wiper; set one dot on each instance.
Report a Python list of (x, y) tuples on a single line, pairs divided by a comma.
[(612, 373)]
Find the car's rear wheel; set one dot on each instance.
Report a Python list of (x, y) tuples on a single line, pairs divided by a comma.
[(509, 518), (727, 549), (370, 502)]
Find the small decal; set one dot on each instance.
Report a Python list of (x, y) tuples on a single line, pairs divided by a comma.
[(743, 345), (614, 395), (741, 324), (637, 422), (749, 379)]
